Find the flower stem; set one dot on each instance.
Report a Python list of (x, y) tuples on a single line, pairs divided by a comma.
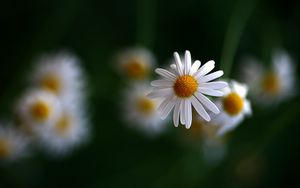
[(145, 22), (238, 20)]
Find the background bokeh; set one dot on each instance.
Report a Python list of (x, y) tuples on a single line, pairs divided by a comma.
[(262, 152)]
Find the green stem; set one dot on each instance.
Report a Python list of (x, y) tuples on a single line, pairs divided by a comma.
[(146, 22), (238, 20)]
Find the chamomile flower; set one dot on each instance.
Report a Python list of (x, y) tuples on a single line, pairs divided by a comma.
[(60, 74), (185, 87), (141, 111), (272, 85), (136, 63), (38, 108), (68, 131), (13, 145), (234, 106)]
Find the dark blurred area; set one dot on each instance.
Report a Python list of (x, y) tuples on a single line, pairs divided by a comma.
[(263, 151)]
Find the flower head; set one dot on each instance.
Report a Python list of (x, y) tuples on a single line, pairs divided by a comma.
[(273, 85), (60, 74), (68, 131), (234, 106), (136, 63), (186, 86), (142, 111), (13, 144), (38, 108)]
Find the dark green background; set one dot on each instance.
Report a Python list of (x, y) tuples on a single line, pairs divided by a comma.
[(116, 156)]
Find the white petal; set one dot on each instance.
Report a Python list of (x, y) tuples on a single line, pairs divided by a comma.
[(210, 77), (206, 68), (188, 113), (215, 85), (207, 103), (247, 107), (165, 73), (195, 67), (176, 113), (200, 109), (167, 109), (241, 89), (160, 93), (187, 62), (211, 92), (182, 114), (165, 83), (179, 65)]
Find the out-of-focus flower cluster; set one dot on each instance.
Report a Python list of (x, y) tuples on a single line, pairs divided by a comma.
[(51, 114), (212, 108)]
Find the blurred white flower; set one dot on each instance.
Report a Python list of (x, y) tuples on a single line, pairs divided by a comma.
[(38, 109), (13, 144), (141, 111), (59, 73), (234, 106), (185, 87), (273, 85), (68, 131), (136, 63)]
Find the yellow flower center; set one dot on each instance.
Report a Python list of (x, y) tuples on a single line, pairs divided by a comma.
[(271, 84), (233, 104), (51, 83), (40, 110), (146, 105), (185, 86), (136, 69), (4, 148), (63, 125)]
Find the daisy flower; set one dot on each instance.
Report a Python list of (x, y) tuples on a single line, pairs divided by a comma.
[(273, 85), (60, 74), (68, 131), (234, 106), (142, 111), (186, 86), (136, 63), (38, 108), (13, 145)]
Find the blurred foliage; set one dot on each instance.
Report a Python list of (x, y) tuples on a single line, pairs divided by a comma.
[(263, 151)]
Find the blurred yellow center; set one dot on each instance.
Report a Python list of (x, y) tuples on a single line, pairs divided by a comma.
[(271, 84), (185, 86), (146, 105), (4, 148), (51, 83), (40, 110), (136, 69), (63, 125), (233, 104)]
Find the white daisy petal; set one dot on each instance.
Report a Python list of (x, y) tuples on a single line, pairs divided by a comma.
[(167, 109), (182, 114), (160, 93), (188, 113), (165, 83), (176, 113), (207, 103), (178, 63), (200, 109), (211, 76), (195, 67), (165, 73), (210, 92), (241, 89), (206, 68), (215, 85), (188, 62)]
